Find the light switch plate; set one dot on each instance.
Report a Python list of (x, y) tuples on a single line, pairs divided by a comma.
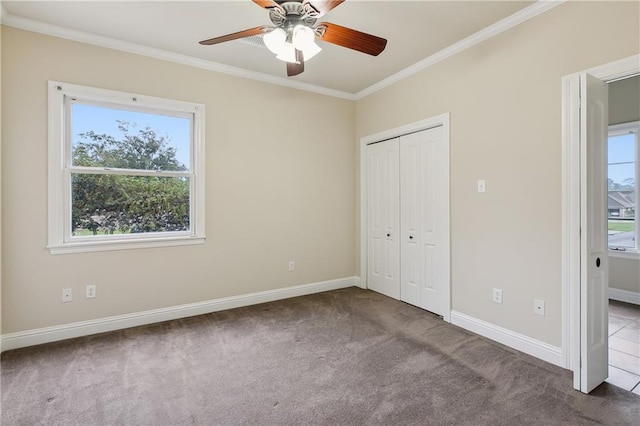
[(482, 185)]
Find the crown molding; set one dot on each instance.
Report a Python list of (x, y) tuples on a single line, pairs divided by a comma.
[(124, 46), (507, 23), (493, 30)]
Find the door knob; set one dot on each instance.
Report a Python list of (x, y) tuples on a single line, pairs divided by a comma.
[(388, 235), (597, 262), (411, 237)]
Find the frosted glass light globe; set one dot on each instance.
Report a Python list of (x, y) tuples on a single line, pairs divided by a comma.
[(275, 40)]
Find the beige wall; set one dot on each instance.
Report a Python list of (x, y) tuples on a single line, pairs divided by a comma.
[(624, 274), (279, 185), (504, 96), (624, 106)]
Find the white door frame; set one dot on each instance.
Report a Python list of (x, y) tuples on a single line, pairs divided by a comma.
[(439, 120), (571, 184)]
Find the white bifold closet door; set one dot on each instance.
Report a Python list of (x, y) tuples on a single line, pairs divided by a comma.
[(383, 222), (413, 192)]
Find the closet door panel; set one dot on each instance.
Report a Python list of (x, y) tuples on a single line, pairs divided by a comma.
[(421, 245), (410, 227), (433, 214), (383, 252)]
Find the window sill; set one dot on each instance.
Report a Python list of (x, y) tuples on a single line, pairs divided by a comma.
[(627, 254), (142, 243)]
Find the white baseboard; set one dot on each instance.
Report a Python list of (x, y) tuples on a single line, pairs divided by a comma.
[(520, 342), (101, 325), (624, 295)]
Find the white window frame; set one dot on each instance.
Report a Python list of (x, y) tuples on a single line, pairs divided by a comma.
[(60, 169), (617, 130)]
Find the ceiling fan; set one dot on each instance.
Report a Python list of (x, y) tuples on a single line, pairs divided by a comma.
[(295, 29)]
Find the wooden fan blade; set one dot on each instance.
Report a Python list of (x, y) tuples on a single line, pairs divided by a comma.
[(295, 68), (352, 39), (324, 6), (234, 36), (267, 4)]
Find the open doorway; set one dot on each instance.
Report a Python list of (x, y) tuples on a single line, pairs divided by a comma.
[(585, 245), (623, 181)]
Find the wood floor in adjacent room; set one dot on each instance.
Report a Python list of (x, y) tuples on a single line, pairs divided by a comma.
[(344, 357)]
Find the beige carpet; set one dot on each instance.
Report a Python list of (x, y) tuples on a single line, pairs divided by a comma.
[(347, 357)]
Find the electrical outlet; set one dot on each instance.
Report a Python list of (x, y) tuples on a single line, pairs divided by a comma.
[(482, 185), (497, 295), (538, 307), (292, 266), (66, 295), (90, 291)]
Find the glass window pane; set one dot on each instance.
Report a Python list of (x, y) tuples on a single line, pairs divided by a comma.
[(621, 201), (118, 204), (116, 138)]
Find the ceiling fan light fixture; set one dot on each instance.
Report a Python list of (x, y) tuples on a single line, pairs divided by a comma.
[(304, 39), (275, 40), (311, 51), (279, 43), (303, 36), (287, 53)]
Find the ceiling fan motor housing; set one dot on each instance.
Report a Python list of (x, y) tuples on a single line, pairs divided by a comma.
[(290, 14)]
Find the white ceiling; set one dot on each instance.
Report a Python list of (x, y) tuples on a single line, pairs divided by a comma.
[(415, 30)]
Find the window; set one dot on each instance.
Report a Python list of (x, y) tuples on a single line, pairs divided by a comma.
[(125, 171), (623, 187)]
